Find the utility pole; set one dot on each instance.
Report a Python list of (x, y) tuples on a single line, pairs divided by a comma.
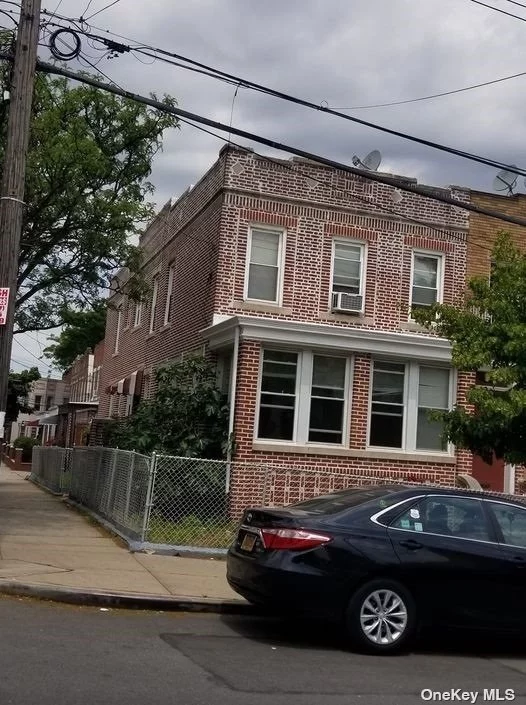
[(13, 181)]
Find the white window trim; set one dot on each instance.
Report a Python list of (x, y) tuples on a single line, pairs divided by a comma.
[(409, 430), (153, 303), (278, 301), (439, 256), (118, 331), (302, 408), (169, 292), (137, 314), (363, 270)]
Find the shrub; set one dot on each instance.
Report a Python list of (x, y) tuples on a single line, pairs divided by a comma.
[(27, 444)]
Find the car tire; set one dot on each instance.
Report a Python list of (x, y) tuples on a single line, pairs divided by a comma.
[(393, 630)]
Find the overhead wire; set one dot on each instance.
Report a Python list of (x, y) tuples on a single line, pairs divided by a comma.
[(222, 75), (498, 9), (102, 10), (15, 339), (436, 95)]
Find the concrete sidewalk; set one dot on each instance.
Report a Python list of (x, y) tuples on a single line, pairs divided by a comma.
[(49, 550)]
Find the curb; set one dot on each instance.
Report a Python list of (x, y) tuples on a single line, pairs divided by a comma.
[(172, 603)]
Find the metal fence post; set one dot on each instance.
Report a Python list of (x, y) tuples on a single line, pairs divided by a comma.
[(112, 480), (129, 487), (149, 496)]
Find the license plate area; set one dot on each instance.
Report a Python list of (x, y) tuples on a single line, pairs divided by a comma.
[(248, 541)]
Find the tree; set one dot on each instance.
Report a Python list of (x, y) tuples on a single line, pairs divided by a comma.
[(488, 332), (19, 385), (187, 416), (89, 160), (82, 331)]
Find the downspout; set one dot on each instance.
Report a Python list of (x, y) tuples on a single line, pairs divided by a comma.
[(233, 388)]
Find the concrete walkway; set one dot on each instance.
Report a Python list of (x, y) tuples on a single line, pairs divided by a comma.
[(48, 549)]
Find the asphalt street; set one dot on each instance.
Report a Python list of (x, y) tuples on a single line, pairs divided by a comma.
[(62, 655)]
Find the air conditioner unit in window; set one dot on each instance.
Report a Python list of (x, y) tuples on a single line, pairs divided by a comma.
[(347, 303)]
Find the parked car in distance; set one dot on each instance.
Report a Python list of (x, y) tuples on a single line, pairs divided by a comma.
[(386, 560)]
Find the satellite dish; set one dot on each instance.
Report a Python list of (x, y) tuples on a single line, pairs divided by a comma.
[(371, 161), (397, 196), (505, 180)]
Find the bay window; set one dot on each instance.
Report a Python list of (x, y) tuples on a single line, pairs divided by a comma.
[(303, 398), (403, 398)]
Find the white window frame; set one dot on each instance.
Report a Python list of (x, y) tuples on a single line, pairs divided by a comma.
[(278, 300), (302, 407), (169, 292), (363, 268), (137, 314), (411, 385), (439, 256), (153, 302), (118, 331)]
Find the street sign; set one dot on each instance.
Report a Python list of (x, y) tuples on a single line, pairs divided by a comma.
[(4, 301)]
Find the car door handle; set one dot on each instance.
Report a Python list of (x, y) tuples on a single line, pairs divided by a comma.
[(519, 561), (411, 544)]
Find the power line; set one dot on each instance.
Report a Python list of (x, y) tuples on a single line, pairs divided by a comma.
[(103, 9), (436, 95), (222, 75), (514, 2), (15, 339), (385, 209), (426, 192), (497, 9)]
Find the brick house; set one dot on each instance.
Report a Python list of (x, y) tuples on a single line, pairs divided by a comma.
[(300, 285), (83, 379)]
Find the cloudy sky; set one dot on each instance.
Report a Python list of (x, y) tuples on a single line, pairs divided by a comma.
[(344, 53)]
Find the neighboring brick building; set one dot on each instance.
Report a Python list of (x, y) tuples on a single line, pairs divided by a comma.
[(84, 379), (482, 234), (301, 286), (45, 398)]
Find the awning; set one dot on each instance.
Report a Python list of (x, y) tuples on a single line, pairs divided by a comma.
[(128, 386)]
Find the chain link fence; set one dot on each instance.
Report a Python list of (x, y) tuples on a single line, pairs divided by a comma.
[(172, 503), (51, 468)]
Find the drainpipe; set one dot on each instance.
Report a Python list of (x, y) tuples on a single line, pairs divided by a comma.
[(233, 387)]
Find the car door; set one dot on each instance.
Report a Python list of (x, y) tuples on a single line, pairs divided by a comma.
[(510, 592), (449, 556)]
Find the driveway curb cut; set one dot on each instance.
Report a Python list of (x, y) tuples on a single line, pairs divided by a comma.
[(167, 603)]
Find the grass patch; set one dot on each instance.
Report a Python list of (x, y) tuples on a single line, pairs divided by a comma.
[(192, 531)]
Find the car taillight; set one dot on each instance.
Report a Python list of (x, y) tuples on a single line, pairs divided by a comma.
[(292, 539)]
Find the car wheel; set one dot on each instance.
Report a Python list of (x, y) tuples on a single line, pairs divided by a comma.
[(381, 617)]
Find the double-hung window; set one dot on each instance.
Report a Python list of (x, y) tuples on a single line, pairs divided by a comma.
[(426, 280), (403, 399), (265, 265), (137, 318), (303, 398), (153, 303), (169, 293), (347, 275)]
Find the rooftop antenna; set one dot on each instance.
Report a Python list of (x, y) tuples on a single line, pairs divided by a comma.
[(371, 161), (505, 180)]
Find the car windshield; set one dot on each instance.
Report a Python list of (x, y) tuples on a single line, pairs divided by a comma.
[(340, 501)]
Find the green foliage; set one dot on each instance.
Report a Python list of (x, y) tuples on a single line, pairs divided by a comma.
[(82, 330), (19, 384), (489, 332), (192, 531), (188, 415), (89, 160), (27, 445)]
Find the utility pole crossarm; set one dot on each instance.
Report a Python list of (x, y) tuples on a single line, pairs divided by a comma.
[(13, 179)]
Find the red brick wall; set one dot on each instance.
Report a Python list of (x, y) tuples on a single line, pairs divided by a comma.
[(281, 195), (192, 249)]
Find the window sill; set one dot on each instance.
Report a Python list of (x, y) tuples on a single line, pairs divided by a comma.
[(136, 328), (151, 334), (414, 456), (414, 326), (165, 327), (262, 307), (357, 319), (115, 354), (269, 447)]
